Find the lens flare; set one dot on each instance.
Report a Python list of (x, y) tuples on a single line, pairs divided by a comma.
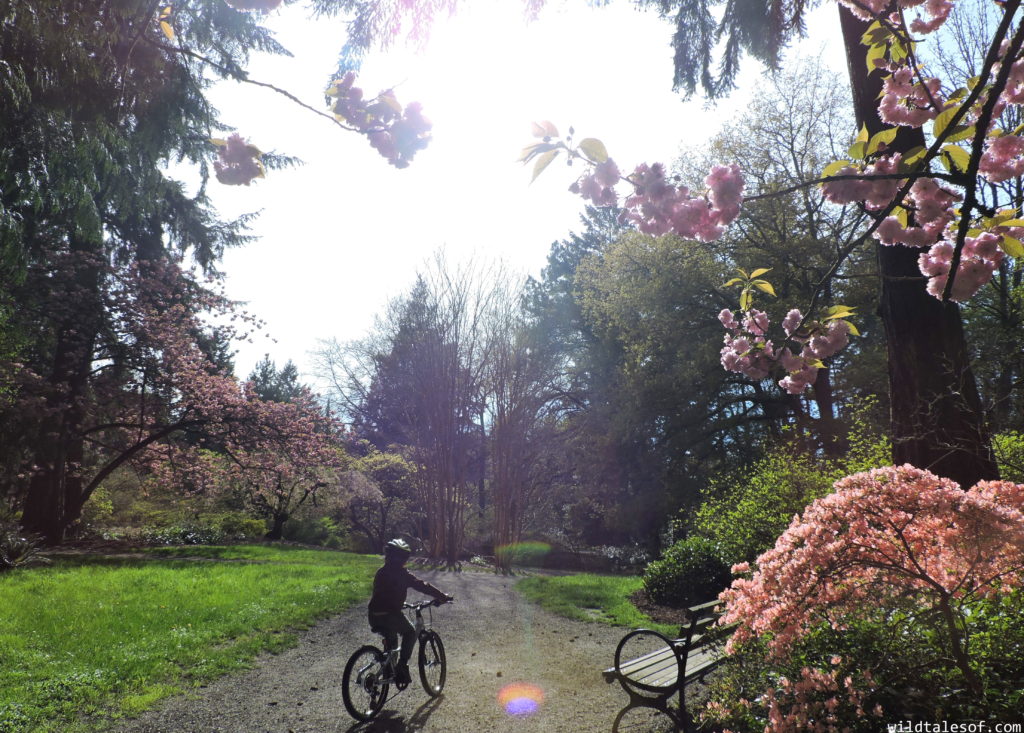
[(520, 698), (523, 553)]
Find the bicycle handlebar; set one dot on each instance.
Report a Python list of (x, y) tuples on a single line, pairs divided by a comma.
[(425, 604)]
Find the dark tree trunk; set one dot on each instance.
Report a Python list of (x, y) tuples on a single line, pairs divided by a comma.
[(937, 422), (277, 527), (54, 500)]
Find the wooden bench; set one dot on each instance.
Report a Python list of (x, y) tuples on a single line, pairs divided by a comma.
[(651, 667)]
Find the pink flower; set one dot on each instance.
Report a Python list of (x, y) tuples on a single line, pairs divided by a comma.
[(1003, 158)]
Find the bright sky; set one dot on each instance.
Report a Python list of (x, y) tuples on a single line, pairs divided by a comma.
[(343, 234)]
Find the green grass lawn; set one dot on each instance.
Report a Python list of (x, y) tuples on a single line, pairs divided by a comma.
[(587, 597), (105, 637)]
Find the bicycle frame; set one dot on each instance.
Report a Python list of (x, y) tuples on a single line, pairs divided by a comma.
[(421, 625)]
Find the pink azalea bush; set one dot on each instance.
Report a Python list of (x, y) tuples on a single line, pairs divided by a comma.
[(898, 549)]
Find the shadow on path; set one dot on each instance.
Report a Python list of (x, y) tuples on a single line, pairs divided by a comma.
[(388, 721)]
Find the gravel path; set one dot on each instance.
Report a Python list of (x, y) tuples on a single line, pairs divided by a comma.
[(493, 638)]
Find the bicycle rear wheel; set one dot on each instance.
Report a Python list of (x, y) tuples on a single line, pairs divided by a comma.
[(363, 687), (433, 666)]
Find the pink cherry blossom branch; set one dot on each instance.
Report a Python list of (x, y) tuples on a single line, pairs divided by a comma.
[(981, 128)]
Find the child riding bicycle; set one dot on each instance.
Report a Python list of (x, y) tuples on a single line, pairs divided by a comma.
[(390, 585)]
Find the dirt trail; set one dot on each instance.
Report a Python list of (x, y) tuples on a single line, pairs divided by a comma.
[(493, 638)]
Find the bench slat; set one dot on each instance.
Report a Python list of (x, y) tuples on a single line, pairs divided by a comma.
[(658, 669)]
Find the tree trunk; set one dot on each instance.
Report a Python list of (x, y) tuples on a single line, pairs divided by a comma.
[(936, 421), (54, 500), (277, 527)]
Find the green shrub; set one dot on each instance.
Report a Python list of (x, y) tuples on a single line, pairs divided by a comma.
[(1009, 449), (183, 534), (312, 531), (691, 571), (240, 526), (745, 511), (99, 510)]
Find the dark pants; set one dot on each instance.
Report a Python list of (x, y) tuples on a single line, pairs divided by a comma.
[(391, 626)]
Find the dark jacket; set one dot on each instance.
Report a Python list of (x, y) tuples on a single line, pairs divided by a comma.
[(390, 586)]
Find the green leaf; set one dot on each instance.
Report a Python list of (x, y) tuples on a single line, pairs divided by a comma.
[(1002, 217), (901, 216), (885, 136), (166, 28), (858, 150), (853, 329), (760, 271), (913, 157), (875, 54), (958, 156), (745, 299), (594, 149), (958, 94), (1009, 222), (839, 311), (219, 142), (734, 281), (816, 363), (870, 33), (543, 160), (942, 120), (973, 82), (961, 132), (834, 167), (1012, 246), (764, 286), (862, 136)]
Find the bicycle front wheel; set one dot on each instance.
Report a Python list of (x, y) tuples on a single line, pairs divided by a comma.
[(363, 686), (433, 667)]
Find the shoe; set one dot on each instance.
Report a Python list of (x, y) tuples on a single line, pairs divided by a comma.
[(402, 675)]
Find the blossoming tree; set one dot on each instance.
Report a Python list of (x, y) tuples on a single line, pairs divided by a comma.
[(938, 240)]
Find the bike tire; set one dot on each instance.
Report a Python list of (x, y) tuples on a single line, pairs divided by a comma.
[(362, 687), (433, 664)]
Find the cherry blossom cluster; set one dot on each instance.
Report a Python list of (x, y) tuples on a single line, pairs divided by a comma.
[(937, 11), (908, 102), (979, 258), (884, 535), (238, 162), (748, 351), (395, 132), (598, 186), (657, 206)]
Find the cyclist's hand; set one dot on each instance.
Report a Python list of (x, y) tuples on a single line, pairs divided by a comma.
[(442, 601)]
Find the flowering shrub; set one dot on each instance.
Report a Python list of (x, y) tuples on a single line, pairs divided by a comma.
[(895, 556)]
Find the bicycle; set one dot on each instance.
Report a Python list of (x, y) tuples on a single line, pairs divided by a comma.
[(370, 672)]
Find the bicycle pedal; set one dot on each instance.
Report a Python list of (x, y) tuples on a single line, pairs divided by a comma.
[(401, 685)]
